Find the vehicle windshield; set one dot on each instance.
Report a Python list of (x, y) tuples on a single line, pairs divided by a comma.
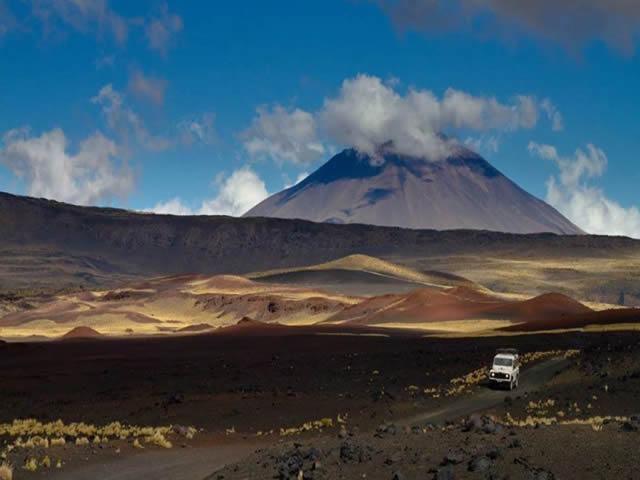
[(502, 362)]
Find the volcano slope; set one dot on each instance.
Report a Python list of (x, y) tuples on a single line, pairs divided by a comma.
[(461, 191)]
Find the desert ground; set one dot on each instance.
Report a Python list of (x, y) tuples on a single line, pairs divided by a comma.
[(329, 401), (353, 368)]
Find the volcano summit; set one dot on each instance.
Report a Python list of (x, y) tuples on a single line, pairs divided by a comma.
[(461, 192)]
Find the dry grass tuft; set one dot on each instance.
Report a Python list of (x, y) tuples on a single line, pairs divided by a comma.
[(596, 423), (6, 471), (309, 426), (80, 441), (57, 442), (158, 439), (37, 433), (30, 465), (534, 356)]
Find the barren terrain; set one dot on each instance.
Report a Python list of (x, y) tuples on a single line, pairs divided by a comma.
[(48, 246), (259, 391), (330, 293), (146, 346)]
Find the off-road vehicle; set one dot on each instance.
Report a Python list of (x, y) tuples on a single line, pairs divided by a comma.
[(505, 370)]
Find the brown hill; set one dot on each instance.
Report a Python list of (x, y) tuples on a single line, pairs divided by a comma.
[(80, 333), (603, 318), (431, 306)]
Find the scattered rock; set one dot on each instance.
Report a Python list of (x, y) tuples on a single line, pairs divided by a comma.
[(484, 424), (452, 459), (290, 467), (445, 473), (352, 453), (495, 453), (479, 464), (542, 475), (386, 428), (394, 458), (515, 443), (474, 422)]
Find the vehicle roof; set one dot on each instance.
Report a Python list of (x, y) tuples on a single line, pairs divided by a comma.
[(506, 355)]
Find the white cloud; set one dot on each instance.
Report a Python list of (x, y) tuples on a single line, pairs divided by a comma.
[(49, 170), (557, 123), (569, 22), (573, 194), (200, 128), (98, 19), (368, 114), (148, 87), (288, 183), (237, 194), (283, 135), (487, 144), (172, 207), (161, 29), (106, 61), (125, 122), (86, 16)]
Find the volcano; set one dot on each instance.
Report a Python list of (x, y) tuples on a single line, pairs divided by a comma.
[(461, 192)]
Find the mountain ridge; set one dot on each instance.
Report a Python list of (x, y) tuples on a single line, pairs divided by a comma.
[(48, 244)]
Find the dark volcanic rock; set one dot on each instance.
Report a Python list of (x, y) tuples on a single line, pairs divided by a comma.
[(445, 473), (479, 464), (354, 453), (541, 475)]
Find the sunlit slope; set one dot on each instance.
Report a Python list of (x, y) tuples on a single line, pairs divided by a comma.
[(173, 305), (375, 266)]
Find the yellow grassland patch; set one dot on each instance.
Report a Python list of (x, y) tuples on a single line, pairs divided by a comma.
[(319, 425)]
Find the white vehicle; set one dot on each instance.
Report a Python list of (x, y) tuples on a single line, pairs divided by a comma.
[(505, 370)]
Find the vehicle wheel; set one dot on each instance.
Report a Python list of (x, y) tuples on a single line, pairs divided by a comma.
[(516, 385), (510, 386)]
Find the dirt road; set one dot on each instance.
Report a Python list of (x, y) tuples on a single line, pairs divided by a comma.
[(532, 379), (180, 464), (197, 463)]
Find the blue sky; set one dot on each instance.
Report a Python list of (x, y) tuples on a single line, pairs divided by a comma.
[(205, 107)]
